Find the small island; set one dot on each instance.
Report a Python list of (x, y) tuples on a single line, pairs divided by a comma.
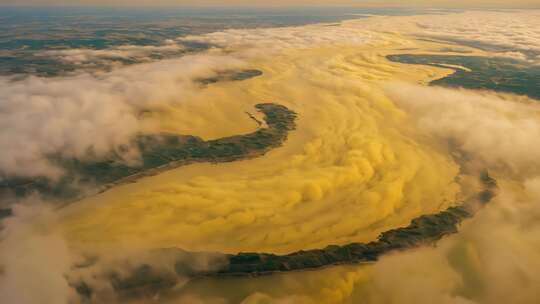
[(231, 76)]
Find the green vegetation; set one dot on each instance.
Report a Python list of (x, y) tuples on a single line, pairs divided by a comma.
[(423, 230), (159, 152), (231, 76), (5, 213), (426, 229), (497, 73)]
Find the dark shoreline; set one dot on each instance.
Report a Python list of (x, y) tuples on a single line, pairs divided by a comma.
[(426, 229), (423, 230), (158, 153)]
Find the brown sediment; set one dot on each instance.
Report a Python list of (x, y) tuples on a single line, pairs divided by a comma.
[(423, 230)]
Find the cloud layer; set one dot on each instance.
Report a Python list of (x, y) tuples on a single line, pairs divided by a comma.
[(368, 155), (28, 246), (88, 115), (473, 120), (514, 35), (366, 3), (135, 53)]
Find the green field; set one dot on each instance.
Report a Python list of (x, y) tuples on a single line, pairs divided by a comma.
[(490, 73)]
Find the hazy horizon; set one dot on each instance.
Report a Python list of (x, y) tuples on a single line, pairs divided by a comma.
[(494, 4)]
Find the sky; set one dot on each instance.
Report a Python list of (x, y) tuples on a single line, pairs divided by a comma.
[(360, 3)]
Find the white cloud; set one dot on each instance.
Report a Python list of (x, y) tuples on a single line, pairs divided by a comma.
[(122, 52), (494, 259), (70, 115), (515, 33), (274, 39), (497, 130), (41, 116), (33, 259)]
